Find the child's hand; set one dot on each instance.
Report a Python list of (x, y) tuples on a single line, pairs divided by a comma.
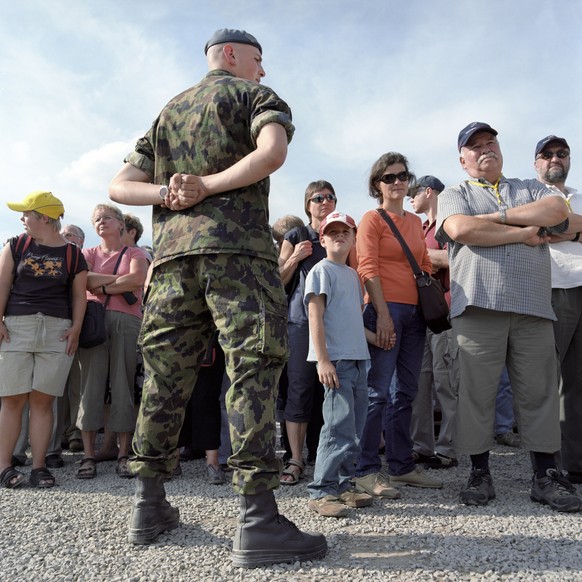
[(327, 374)]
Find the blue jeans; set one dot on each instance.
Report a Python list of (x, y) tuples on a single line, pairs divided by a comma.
[(504, 405), (390, 403), (344, 415)]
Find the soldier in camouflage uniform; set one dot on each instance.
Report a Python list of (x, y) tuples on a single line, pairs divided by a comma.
[(204, 166)]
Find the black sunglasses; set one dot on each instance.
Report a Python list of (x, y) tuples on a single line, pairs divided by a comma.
[(391, 178), (319, 198), (549, 155)]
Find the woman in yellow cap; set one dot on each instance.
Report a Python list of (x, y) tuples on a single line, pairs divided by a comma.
[(42, 303)]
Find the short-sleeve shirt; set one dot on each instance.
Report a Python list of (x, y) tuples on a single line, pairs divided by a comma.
[(345, 337), (203, 131), (510, 277), (567, 255), (41, 283), (297, 312), (104, 263)]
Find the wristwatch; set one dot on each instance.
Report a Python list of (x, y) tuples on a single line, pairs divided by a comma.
[(502, 214), (164, 192)]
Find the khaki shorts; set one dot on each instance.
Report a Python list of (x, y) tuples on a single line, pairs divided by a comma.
[(35, 357)]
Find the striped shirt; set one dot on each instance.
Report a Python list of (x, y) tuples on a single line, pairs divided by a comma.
[(512, 277)]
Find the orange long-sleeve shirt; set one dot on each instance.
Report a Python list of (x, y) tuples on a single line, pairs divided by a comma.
[(379, 254)]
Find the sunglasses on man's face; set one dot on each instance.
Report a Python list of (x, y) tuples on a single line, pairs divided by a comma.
[(391, 178), (549, 154), (319, 198)]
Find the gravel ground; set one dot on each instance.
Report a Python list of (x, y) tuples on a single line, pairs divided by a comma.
[(77, 531)]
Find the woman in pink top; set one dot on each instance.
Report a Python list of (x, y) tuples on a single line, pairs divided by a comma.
[(114, 362), (392, 313)]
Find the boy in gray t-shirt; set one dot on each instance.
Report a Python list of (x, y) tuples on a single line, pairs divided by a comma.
[(337, 342)]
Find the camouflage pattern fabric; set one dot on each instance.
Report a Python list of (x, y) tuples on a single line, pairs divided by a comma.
[(204, 130), (188, 299)]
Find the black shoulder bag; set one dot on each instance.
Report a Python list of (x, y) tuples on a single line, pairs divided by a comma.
[(431, 297), (94, 332)]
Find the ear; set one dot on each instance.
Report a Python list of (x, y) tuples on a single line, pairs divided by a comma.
[(229, 54), (462, 161)]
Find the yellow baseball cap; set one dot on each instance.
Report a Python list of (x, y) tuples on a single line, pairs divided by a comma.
[(42, 202)]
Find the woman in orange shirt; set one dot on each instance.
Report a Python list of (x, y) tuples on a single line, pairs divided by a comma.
[(392, 313)]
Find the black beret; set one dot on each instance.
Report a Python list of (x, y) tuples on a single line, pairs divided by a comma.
[(232, 35)]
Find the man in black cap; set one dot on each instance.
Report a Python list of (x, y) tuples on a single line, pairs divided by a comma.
[(552, 164), (204, 166), (497, 232), (440, 455)]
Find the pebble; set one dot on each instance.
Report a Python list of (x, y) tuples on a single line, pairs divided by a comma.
[(78, 531)]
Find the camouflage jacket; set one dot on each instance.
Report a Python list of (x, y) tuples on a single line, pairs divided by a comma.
[(205, 130)]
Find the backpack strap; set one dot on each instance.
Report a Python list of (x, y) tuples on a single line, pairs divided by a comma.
[(22, 243)]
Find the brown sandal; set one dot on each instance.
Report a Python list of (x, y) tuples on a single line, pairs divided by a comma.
[(87, 469), (290, 471)]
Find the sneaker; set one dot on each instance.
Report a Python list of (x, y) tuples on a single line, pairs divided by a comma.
[(215, 475), (551, 491), (419, 458), (508, 439), (377, 485), (328, 506), (479, 488), (416, 478), (76, 446), (353, 498), (574, 477), (54, 461), (440, 462)]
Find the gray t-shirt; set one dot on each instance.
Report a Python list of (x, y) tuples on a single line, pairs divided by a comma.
[(344, 325)]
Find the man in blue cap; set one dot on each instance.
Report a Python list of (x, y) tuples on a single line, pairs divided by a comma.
[(497, 231), (552, 164), (204, 166)]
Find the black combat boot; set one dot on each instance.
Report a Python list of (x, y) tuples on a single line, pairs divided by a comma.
[(151, 514), (264, 537)]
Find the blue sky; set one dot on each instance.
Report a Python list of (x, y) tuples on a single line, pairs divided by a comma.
[(80, 80)]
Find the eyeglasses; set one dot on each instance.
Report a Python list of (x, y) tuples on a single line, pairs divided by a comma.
[(319, 198), (71, 235), (549, 154), (391, 178)]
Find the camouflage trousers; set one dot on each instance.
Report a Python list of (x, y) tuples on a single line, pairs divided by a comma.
[(188, 299)]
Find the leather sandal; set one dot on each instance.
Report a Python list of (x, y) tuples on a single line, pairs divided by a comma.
[(41, 478), (123, 469), (87, 469), (12, 478), (293, 473)]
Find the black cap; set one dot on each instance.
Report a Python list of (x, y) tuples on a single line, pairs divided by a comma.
[(232, 35), (548, 139), (466, 133), (430, 182)]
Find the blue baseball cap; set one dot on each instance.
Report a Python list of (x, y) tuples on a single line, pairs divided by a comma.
[(548, 139), (430, 182), (232, 35), (467, 132)]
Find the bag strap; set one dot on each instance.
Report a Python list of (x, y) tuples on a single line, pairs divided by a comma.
[(416, 270), (115, 271), (22, 243)]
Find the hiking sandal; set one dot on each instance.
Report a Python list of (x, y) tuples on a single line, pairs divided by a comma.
[(12, 478), (41, 478), (87, 469), (123, 469), (293, 473)]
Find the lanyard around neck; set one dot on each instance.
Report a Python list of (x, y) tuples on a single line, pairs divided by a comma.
[(495, 187)]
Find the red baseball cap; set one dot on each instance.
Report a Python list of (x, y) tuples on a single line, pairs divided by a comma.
[(336, 217)]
